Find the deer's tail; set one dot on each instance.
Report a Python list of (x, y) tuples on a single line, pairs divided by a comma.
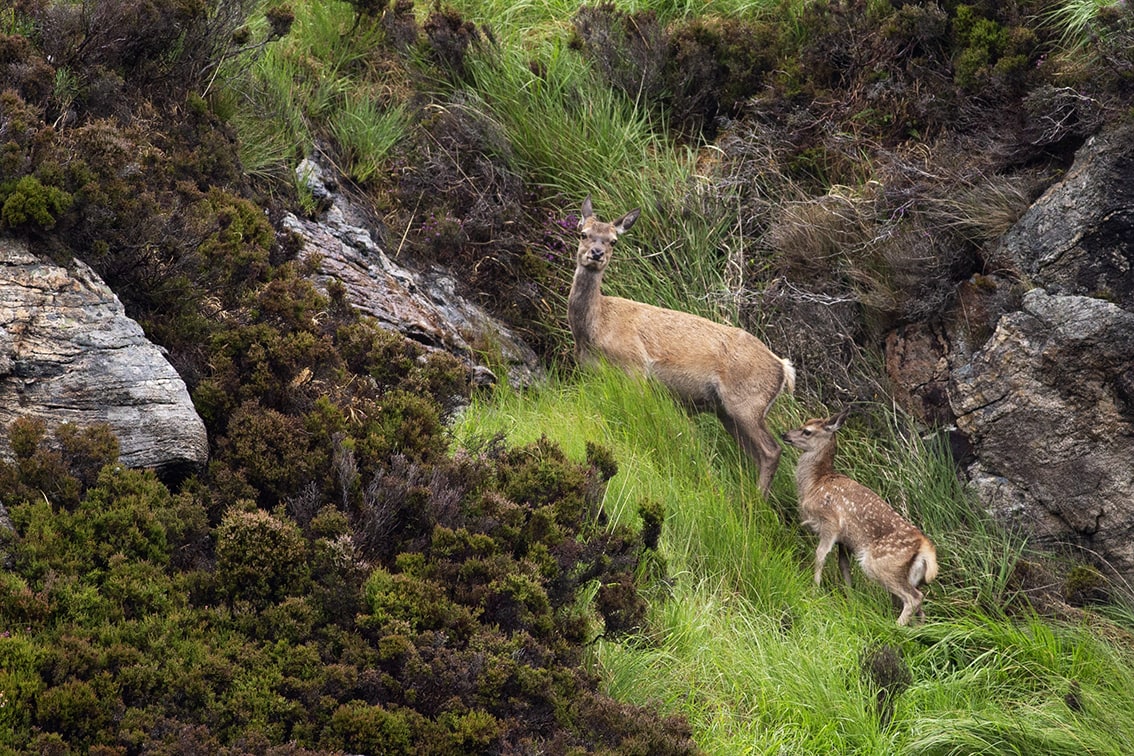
[(788, 385), (924, 566)]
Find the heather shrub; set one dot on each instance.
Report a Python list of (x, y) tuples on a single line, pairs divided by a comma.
[(409, 426), (470, 732), (25, 435), (990, 52), (365, 728), (888, 674), (517, 601), (653, 515), (36, 468), (713, 65), (457, 171), (86, 450), (542, 475), (59, 468), (27, 204), (261, 557), (118, 518), (384, 355), (449, 38), (20, 682), (185, 518), (162, 47), (267, 454), (19, 604), (628, 49), (602, 459), (138, 589), (77, 709), (419, 603), (234, 254), (622, 607)]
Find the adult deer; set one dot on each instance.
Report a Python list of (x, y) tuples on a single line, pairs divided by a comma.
[(710, 366), (841, 511)]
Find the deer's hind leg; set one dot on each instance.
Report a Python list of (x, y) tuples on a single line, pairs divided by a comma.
[(844, 562), (909, 597), (755, 440)]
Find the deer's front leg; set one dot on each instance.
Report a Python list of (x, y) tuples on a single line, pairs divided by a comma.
[(826, 543)]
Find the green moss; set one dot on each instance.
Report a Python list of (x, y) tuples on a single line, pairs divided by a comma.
[(1085, 585)]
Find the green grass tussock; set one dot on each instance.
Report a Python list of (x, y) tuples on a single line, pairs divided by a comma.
[(574, 136)]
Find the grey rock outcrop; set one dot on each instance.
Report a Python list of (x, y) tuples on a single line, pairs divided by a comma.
[(1048, 404), (421, 305), (1078, 238), (1041, 384), (68, 353)]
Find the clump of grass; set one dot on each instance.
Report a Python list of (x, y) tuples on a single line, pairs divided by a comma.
[(574, 136), (1076, 21), (366, 132), (316, 84), (984, 208), (268, 115)]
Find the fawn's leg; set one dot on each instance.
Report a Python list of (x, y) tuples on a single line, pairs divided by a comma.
[(844, 562), (826, 543)]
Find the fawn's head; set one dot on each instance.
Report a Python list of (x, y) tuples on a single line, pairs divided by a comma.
[(817, 432), (596, 238)]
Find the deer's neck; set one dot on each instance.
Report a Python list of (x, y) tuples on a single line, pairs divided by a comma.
[(583, 305), (815, 465)]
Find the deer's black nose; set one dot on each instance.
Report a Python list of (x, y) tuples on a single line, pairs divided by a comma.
[(596, 253)]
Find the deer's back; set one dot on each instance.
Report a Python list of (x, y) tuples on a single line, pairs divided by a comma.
[(694, 356), (863, 518)]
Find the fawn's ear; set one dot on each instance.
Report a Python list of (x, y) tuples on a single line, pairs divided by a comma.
[(624, 223), (836, 422), (586, 212)]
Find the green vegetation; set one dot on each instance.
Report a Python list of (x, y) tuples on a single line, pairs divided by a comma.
[(759, 661), (585, 568), (438, 613)]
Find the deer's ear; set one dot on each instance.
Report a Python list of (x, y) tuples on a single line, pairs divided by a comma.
[(626, 221), (836, 422), (586, 212)]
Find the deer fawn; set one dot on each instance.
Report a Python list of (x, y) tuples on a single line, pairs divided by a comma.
[(710, 366), (841, 511)]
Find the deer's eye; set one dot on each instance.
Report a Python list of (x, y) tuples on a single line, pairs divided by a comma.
[(806, 432)]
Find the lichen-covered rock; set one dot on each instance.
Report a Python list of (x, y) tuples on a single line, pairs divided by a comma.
[(424, 305), (68, 353), (1048, 404), (1078, 238)]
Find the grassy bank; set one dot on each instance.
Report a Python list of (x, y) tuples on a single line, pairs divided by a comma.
[(760, 661)]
